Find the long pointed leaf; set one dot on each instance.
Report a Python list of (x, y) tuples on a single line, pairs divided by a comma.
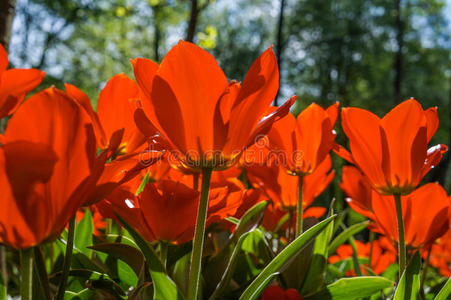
[(409, 285), (445, 292), (259, 283), (164, 287), (351, 288), (342, 237)]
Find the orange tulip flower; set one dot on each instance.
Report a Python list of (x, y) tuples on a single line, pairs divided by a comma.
[(282, 188), (47, 164), (166, 210), (15, 84), (302, 143), (425, 211), (274, 292), (207, 120), (383, 255), (440, 256), (115, 109), (392, 151)]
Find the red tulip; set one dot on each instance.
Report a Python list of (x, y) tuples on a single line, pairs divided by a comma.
[(383, 255), (282, 188), (48, 166), (425, 211), (274, 292), (392, 151), (206, 120), (166, 210), (302, 143), (115, 109)]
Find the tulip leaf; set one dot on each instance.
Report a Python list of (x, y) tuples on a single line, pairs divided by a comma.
[(275, 266), (164, 287), (95, 280), (445, 292), (250, 219), (345, 235), (128, 254), (318, 263), (351, 288), (409, 284), (225, 280), (85, 294), (83, 234), (2, 289), (218, 263)]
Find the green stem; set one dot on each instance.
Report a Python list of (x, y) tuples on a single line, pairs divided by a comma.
[(196, 181), (198, 242), (425, 270), (26, 274), (164, 252), (299, 208), (401, 239), (40, 269), (355, 257), (4, 270), (370, 257), (67, 259)]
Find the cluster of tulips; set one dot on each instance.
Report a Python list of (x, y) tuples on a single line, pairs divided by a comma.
[(195, 187)]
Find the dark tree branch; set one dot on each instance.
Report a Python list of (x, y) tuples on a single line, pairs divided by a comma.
[(397, 65), (280, 45), (192, 21), (7, 12)]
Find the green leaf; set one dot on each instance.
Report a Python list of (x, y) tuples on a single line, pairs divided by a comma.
[(164, 287), (445, 291), (85, 294), (409, 285), (129, 254), (2, 289), (218, 263), (318, 263), (342, 237), (250, 219), (351, 288), (95, 280), (83, 234), (290, 251), (225, 280)]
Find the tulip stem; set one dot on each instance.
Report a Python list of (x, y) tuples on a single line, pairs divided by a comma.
[(164, 252), (67, 259), (198, 242), (401, 240), (196, 181), (26, 273), (299, 207)]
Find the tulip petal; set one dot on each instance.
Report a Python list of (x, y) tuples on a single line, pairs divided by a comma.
[(188, 84), (50, 117), (144, 70), (17, 83), (116, 107), (363, 130), (85, 102), (405, 129), (258, 90), (3, 61)]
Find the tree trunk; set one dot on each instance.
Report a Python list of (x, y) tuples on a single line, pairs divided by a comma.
[(279, 46), (157, 33), (397, 65), (438, 174), (192, 21), (7, 12)]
